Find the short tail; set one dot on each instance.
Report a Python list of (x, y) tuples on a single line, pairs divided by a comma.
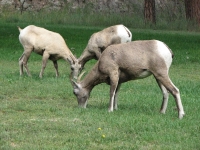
[(129, 33), (170, 51), (19, 28)]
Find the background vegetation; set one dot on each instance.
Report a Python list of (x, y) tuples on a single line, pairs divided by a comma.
[(167, 18), (43, 114)]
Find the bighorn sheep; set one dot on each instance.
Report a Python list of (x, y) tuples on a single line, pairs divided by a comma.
[(130, 61), (49, 44), (99, 41)]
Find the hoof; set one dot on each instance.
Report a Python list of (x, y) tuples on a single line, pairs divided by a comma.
[(110, 110), (180, 115)]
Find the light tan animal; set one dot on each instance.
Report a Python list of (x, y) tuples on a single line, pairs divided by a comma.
[(50, 45), (130, 61), (99, 41)]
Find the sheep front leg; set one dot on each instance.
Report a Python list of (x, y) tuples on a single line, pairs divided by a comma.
[(113, 89), (116, 97), (44, 63), (97, 52)]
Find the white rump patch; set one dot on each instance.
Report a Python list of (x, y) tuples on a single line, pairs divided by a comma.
[(23, 32), (124, 34), (165, 53)]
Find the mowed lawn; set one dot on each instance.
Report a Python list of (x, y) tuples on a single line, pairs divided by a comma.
[(43, 114)]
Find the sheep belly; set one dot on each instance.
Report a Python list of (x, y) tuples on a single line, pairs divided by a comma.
[(126, 75), (144, 74)]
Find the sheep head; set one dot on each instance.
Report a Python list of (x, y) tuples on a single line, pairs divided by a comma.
[(81, 93)]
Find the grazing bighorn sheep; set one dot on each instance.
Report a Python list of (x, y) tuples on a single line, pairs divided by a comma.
[(49, 44), (130, 61), (99, 41)]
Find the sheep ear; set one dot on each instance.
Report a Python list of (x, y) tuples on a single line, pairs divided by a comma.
[(73, 83)]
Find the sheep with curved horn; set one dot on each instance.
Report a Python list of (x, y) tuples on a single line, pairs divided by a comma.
[(130, 61)]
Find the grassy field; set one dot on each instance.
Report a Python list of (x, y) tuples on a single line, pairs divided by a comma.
[(43, 114)]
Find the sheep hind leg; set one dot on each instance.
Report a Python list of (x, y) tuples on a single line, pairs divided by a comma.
[(165, 98), (23, 62), (176, 94), (56, 67), (21, 69)]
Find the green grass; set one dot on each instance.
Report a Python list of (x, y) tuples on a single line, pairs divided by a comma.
[(43, 114)]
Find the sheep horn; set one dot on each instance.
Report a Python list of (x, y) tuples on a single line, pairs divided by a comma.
[(79, 77)]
